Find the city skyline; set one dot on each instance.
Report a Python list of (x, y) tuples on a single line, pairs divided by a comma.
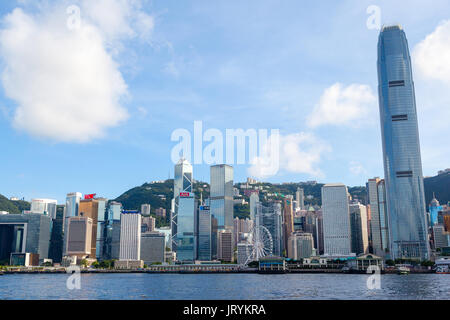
[(162, 81)]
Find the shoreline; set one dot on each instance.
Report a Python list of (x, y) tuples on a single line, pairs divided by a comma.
[(310, 271)]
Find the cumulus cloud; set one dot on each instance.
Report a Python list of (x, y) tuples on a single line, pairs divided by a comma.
[(341, 105), (298, 153), (65, 81), (432, 55)]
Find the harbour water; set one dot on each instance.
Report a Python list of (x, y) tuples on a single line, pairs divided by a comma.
[(224, 287)]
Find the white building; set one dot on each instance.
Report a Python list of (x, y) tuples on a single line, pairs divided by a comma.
[(130, 235), (336, 220), (44, 206)]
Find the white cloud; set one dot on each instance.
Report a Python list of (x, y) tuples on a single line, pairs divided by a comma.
[(299, 153), (340, 105), (357, 169), (66, 83), (118, 19), (432, 55)]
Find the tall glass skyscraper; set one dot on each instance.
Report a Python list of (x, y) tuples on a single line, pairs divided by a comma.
[(183, 213), (405, 198), (221, 201)]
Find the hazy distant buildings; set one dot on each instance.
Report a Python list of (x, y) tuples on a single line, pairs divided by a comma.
[(130, 235), (405, 198), (336, 220)]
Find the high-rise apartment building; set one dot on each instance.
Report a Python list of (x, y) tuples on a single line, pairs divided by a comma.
[(405, 199), (336, 220)]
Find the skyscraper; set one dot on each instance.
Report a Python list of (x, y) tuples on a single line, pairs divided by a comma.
[(336, 220), (358, 227), (130, 235), (94, 209), (375, 227), (70, 210), (405, 198), (204, 234), (434, 209), (225, 245), (182, 185), (300, 198), (221, 201), (288, 223), (271, 218)]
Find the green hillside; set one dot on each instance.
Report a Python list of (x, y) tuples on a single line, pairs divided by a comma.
[(13, 207), (440, 185)]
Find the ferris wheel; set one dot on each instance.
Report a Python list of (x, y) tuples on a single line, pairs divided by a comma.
[(260, 244)]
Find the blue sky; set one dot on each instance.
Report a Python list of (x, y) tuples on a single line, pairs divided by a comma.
[(156, 66)]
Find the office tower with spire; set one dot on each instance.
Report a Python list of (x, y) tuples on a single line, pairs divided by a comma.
[(405, 198), (183, 213)]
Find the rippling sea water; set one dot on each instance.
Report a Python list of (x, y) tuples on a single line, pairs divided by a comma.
[(223, 287)]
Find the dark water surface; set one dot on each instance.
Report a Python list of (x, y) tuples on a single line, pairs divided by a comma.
[(223, 286)]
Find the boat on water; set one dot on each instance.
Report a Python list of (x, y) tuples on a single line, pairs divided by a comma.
[(443, 270), (403, 270)]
